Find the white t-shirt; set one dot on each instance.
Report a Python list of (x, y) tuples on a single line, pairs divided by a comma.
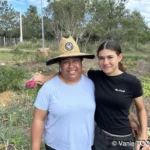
[(70, 121)]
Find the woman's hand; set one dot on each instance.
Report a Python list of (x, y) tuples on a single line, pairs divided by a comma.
[(39, 78), (142, 145), (146, 147), (135, 128), (134, 125)]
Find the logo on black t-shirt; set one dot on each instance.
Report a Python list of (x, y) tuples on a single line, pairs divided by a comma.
[(119, 90)]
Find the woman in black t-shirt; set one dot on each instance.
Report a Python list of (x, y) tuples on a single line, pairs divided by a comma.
[(114, 92)]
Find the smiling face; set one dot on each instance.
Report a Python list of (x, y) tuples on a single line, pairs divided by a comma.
[(71, 69), (108, 61)]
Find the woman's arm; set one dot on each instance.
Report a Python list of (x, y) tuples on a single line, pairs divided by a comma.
[(142, 117), (37, 128), (134, 125), (41, 79)]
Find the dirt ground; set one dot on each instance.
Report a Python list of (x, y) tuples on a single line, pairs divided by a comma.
[(6, 98)]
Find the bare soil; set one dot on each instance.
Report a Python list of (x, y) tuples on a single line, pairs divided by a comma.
[(6, 98)]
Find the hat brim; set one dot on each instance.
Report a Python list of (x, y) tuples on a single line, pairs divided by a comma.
[(56, 59)]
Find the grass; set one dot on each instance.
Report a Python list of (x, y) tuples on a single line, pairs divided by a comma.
[(15, 122), (6, 56), (26, 52), (9, 56)]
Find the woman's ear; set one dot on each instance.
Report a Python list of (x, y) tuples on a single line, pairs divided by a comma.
[(120, 56)]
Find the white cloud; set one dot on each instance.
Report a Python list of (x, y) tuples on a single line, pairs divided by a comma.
[(148, 24)]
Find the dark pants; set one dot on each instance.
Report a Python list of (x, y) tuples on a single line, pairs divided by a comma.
[(104, 141), (48, 148)]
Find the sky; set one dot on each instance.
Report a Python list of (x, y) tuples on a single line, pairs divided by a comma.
[(143, 6), (23, 5)]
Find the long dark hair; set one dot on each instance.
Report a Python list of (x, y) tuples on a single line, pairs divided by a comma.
[(114, 46)]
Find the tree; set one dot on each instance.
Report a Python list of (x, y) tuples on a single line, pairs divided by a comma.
[(67, 18), (106, 16), (9, 19), (32, 23), (138, 25), (134, 28)]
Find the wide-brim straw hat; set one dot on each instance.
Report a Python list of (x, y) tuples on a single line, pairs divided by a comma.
[(68, 48)]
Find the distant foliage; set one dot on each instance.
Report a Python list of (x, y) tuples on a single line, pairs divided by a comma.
[(11, 78), (9, 20)]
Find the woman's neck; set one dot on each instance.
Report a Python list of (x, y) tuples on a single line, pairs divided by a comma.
[(69, 81), (117, 72)]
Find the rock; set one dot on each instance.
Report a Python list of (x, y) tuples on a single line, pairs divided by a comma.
[(43, 51), (10, 147), (2, 64)]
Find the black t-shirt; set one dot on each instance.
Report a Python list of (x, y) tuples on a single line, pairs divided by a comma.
[(114, 95)]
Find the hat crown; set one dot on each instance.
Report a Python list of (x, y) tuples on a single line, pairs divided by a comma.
[(68, 46)]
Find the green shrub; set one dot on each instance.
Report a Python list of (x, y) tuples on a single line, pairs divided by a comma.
[(11, 78), (143, 47), (129, 64), (127, 47), (16, 50), (146, 86), (134, 57), (25, 45), (23, 56), (41, 58)]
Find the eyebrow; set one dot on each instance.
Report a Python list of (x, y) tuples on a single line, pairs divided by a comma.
[(106, 56)]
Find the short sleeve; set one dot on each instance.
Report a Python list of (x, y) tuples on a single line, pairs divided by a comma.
[(137, 88), (94, 75), (89, 73), (43, 97)]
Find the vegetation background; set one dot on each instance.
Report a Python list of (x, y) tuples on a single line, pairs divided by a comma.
[(90, 23)]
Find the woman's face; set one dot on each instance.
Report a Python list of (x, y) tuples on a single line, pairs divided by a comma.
[(108, 61), (71, 69)]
